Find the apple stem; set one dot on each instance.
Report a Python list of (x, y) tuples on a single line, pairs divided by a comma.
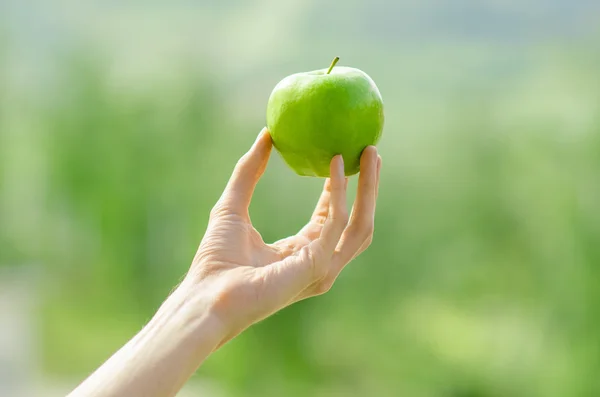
[(335, 60)]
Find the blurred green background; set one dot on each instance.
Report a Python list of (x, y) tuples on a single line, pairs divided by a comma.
[(120, 123)]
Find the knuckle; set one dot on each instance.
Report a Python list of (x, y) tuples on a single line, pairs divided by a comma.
[(242, 162), (319, 219), (341, 217), (216, 211), (337, 186), (369, 229), (317, 262), (247, 164), (368, 241), (323, 287), (368, 185), (240, 167), (345, 217), (365, 226)]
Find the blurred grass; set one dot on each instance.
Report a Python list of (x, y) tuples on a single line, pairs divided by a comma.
[(481, 281)]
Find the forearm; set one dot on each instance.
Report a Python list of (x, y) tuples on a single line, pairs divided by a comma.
[(162, 356)]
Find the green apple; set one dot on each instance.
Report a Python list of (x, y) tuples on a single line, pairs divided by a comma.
[(316, 115)]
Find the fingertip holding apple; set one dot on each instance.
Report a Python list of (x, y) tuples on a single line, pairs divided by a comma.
[(337, 166), (314, 116)]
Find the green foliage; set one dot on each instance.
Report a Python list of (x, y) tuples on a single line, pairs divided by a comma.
[(481, 280)]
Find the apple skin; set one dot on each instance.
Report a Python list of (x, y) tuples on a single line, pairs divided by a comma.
[(314, 116)]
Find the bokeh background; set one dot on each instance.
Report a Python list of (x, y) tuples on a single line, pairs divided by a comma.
[(121, 121)]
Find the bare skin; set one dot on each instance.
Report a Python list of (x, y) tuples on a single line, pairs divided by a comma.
[(236, 279)]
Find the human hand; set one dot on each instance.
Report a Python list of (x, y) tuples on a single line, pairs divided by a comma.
[(236, 279), (241, 279)]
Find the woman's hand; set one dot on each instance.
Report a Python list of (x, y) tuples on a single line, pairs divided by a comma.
[(236, 279), (246, 279)]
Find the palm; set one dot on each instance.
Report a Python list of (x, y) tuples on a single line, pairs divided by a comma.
[(233, 230), (241, 267), (251, 250)]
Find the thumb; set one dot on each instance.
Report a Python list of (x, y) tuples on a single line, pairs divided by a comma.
[(245, 176)]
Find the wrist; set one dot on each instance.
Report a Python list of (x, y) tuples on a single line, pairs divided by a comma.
[(191, 316)]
